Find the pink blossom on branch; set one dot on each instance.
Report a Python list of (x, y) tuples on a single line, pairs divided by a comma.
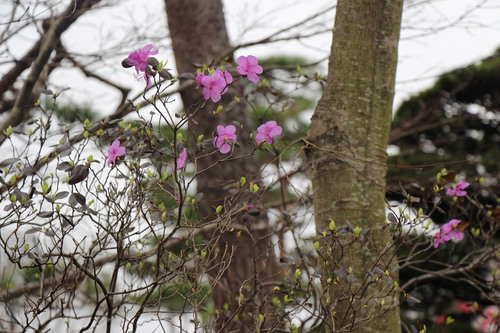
[(249, 66), (215, 84), (458, 189), (181, 160), (267, 131), (139, 58), (448, 232), (225, 138), (114, 151)]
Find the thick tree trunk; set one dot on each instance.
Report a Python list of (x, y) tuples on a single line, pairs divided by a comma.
[(199, 36), (347, 150)]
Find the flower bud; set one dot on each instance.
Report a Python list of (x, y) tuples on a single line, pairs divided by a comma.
[(165, 74), (153, 61), (126, 63)]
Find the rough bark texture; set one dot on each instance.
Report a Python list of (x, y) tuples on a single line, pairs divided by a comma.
[(198, 33), (347, 149)]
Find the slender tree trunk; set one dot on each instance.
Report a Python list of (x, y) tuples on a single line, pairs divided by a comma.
[(198, 33), (347, 150)]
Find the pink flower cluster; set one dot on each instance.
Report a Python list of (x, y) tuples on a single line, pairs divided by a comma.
[(226, 136), (458, 189), (139, 59), (267, 131), (114, 151), (249, 66), (215, 84), (488, 321), (448, 232)]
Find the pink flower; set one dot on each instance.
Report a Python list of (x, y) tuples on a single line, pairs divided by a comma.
[(181, 160), (114, 151), (139, 58), (199, 77), (249, 66), (463, 307), (489, 321), (267, 131), (458, 189), (448, 232), (215, 84), (225, 138), (440, 319)]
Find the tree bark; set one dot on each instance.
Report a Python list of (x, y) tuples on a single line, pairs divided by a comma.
[(199, 36), (347, 143)]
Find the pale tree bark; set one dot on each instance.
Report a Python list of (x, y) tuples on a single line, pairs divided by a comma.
[(347, 143), (199, 36)]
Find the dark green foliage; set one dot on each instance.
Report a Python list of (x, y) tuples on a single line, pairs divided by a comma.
[(69, 111)]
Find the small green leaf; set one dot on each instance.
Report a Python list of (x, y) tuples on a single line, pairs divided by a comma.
[(8, 131), (203, 254), (243, 181), (299, 70), (12, 179), (218, 209), (357, 231), (316, 245), (90, 158), (199, 138), (254, 187), (297, 273), (219, 109), (45, 187), (332, 225), (26, 247)]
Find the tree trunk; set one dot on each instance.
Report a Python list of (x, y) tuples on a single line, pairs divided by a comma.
[(347, 143), (198, 33)]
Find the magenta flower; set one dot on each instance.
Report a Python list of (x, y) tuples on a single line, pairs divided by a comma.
[(114, 151), (215, 84), (181, 160), (458, 189), (139, 58), (249, 66), (267, 131), (225, 138), (448, 232), (199, 77)]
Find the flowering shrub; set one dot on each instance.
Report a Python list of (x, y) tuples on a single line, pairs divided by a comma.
[(225, 138), (249, 66), (267, 131), (215, 84), (114, 151), (448, 232), (458, 189)]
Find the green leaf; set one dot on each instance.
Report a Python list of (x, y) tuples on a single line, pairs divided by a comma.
[(316, 245), (7, 131), (218, 209), (254, 187), (243, 181), (332, 225), (45, 187)]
